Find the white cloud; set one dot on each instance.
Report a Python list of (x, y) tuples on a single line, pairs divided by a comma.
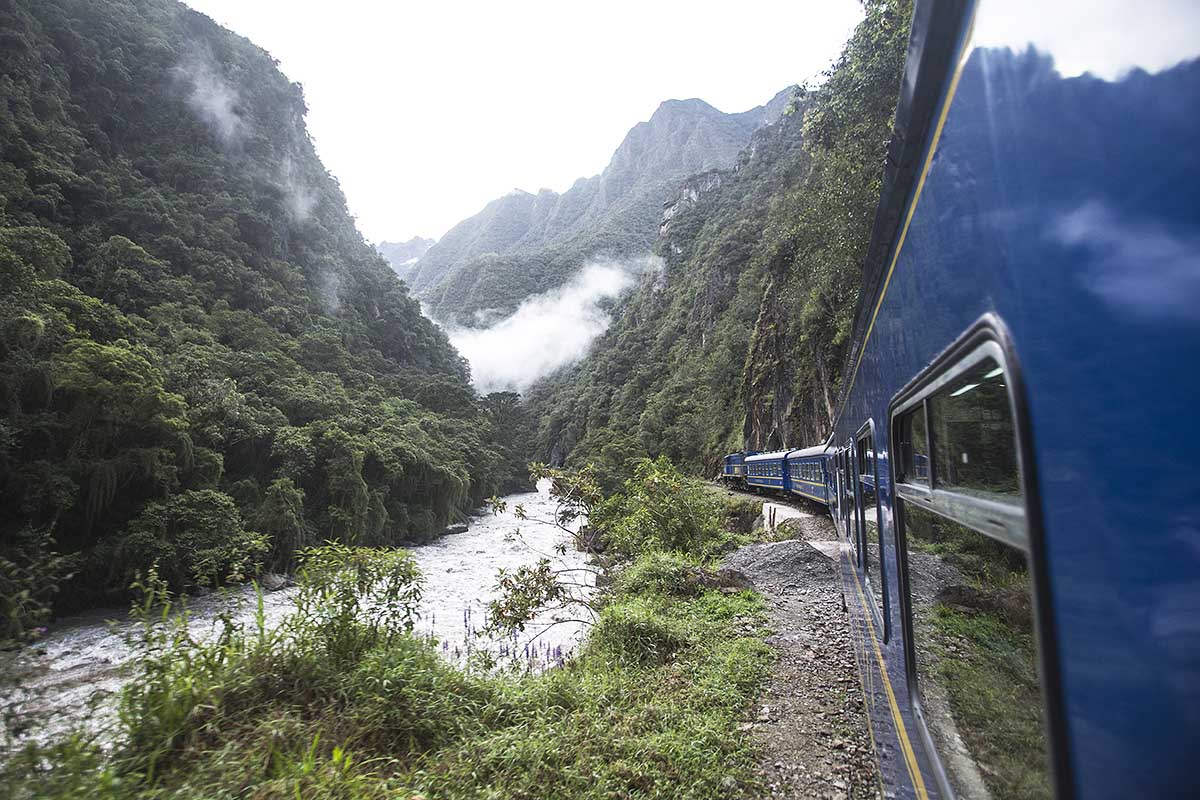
[(212, 99), (1137, 266), (548, 331)]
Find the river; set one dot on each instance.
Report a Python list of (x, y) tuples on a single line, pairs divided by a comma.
[(70, 678)]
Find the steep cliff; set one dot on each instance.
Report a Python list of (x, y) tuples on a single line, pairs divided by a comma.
[(739, 341)]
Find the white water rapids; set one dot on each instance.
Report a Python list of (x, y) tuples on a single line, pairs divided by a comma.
[(71, 677)]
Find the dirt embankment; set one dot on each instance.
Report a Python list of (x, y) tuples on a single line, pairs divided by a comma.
[(810, 721)]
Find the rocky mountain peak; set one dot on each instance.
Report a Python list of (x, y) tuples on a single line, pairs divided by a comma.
[(538, 241)]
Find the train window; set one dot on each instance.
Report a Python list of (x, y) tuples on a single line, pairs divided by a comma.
[(872, 541), (971, 637), (914, 447), (973, 437), (976, 657)]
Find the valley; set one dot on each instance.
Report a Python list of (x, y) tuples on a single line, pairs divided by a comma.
[(212, 381)]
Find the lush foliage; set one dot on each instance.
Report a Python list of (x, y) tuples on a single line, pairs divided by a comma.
[(201, 362), (660, 509), (740, 342), (342, 701)]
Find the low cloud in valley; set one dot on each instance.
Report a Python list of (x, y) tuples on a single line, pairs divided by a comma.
[(548, 331)]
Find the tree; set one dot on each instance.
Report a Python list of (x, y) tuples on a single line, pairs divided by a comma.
[(193, 539)]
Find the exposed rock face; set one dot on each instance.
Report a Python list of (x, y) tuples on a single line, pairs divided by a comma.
[(689, 194), (537, 241), (402, 256), (767, 385)]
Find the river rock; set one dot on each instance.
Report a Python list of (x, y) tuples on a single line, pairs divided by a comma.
[(273, 581), (590, 540), (460, 528)]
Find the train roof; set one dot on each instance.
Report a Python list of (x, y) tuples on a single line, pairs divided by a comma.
[(774, 455)]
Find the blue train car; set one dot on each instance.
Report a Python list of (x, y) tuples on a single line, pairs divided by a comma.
[(1012, 463), (767, 471), (807, 474)]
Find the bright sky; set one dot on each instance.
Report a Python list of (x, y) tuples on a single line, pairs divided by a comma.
[(427, 110)]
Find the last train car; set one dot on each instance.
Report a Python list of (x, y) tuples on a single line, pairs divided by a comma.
[(1013, 458), (733, 468)]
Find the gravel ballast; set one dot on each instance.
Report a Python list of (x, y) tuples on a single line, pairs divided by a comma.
[(810, 721)]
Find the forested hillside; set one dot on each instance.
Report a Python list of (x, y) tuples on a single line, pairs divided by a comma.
[(740, 341), (523, 243), (203, 364)]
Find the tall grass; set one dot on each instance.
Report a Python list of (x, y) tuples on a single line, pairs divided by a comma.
[(342, 700)]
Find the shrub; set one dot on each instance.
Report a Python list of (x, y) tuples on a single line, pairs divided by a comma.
[(659, 573), (741, 513), (196, 538), (405, 698), (30, 574), (634, 633), (660, 509)]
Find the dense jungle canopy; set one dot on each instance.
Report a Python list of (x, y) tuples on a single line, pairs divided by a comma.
[(202, 363)]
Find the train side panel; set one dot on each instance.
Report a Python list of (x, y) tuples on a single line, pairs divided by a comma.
[(1023, 381)]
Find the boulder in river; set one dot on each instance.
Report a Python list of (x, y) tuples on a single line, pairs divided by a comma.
[(460, 528), (273, 581)]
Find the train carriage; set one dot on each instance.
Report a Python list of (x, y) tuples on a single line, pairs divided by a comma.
[(766, 471), (1010, 467), (807, 474)]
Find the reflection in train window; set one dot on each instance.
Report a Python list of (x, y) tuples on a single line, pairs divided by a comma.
[(851, 500), (914, 447), (976, 657), (973, 438), (873, 555)]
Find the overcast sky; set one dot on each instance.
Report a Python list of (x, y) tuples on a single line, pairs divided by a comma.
[(427, 110)]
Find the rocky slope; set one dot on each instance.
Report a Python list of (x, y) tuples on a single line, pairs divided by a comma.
[(403, 256)]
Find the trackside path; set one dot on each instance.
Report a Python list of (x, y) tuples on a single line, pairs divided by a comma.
[(810, 720)]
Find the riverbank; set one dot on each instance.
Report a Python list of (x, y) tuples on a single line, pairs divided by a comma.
[(72, 676), (688, 685), (336, 703)]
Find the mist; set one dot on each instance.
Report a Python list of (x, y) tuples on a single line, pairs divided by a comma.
[(211, 99), (300, 198), (216, 102), (548, 331)]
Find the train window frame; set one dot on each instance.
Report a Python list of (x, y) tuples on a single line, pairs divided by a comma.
[(854, 502), (999, 519), (848, 491), (879, 595), (1018, 525)]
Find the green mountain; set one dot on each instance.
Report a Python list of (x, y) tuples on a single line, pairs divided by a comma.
[(523, 243), (740, 341), (203, 364)]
